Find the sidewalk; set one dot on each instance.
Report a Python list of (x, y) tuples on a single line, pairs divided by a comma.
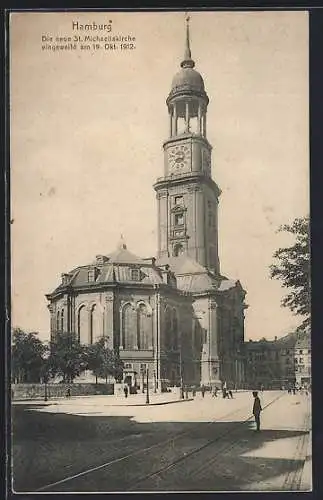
[(112, 400)]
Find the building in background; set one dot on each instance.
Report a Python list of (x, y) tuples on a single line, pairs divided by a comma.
[(263, 364), (302, 358), (176, 315), (279, 363)]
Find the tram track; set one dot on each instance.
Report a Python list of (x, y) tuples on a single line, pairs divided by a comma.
[(166, 446), (197, 471)]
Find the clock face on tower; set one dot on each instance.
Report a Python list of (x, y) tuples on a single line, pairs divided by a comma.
[(178, 158)]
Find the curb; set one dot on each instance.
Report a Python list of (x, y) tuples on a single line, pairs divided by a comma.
[(156, 404), (56, 402)]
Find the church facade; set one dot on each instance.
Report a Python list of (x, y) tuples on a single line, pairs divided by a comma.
[(175, 315)]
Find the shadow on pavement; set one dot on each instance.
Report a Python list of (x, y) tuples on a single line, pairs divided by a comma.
[(48, 447)]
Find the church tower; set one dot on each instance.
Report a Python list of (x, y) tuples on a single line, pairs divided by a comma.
[(187, 196)]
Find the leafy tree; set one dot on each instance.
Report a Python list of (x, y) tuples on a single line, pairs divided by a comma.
[(67, 357), (103, 361), (292, 268), (28, 354)]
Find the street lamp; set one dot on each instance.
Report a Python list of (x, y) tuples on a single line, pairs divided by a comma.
[(143, 380), (181, 372), (45, 374), (155, 382), (147, 392)]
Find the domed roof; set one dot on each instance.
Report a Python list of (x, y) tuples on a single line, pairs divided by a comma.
[(188, 78)]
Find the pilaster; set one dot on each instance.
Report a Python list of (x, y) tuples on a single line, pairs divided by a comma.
[(109, 319)]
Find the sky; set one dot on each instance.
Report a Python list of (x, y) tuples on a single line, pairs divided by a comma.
[(87, 128)]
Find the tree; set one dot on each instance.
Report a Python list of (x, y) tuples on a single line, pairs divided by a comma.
[(28, 355), (67, 357), (292, 268), (103, 361)]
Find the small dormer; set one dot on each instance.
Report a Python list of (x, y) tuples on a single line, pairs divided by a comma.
[(66, 278), (92, 274), (135, 274)]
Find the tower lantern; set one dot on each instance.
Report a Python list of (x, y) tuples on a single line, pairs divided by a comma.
[(187, 101)]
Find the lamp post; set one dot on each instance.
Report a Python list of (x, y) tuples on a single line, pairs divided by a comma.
[(155, 382), (147, 392), (181, 372), (143, 380), (46, 395), (45, 375)]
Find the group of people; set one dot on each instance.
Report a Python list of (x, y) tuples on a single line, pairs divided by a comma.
[(226, 393), (301, 389)]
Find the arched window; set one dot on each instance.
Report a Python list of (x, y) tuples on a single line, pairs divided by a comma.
[(168, 329), (129, 327), (174, 330), (82, 325), (143, 328), (58, 321), (178, 250), (62, 320), (95, 324)]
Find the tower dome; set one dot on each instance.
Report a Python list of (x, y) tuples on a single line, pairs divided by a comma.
[(187, 80)]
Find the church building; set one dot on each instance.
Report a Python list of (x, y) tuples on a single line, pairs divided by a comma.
[(175, 315)]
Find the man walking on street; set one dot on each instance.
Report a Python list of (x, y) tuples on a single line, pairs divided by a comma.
[(256, 409)]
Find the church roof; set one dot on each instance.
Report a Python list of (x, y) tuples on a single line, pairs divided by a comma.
[(122, 255), (183, 264), (121, 266), (193, 277), (226, 284)]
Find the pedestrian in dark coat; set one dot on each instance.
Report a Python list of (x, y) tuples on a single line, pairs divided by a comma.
[(256, 409), (203, 391), (230, 393), (125, 390)]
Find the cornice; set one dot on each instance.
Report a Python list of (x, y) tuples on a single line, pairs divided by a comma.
[(187, 137), (188, 178)]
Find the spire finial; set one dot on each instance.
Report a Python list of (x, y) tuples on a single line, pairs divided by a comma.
[(188, 62), (187, 48)]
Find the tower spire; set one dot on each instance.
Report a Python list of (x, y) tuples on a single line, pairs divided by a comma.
[(187, 62)]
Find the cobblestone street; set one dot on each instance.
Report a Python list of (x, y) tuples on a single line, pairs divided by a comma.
[(210, 444)]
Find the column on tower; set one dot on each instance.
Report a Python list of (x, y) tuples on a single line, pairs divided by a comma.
[(170, 121), (199, 118), (108, 320), (187, 117), (174, 127), (204, 123)]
